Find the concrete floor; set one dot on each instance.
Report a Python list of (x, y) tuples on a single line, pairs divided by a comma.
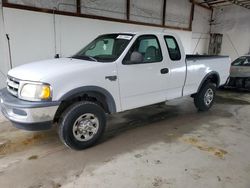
[(156, 146)]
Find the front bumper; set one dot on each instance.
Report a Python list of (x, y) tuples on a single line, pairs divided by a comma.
[(27, 115)]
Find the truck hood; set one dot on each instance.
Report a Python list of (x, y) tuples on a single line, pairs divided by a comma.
[(43, 70)]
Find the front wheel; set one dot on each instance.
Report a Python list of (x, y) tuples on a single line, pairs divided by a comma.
[(82, 125), (204, 99)]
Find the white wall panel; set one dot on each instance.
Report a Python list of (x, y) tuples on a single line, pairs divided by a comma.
[(4, 66), (234, 23), (201, 30), (87, 29), (31, 35)]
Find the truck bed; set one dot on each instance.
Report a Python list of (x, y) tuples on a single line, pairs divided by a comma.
[(198, 66)]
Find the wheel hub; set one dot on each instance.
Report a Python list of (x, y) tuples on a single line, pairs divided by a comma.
[(85, 127), (209, 96)]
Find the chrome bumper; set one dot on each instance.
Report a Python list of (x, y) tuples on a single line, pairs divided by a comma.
[(27, 115)]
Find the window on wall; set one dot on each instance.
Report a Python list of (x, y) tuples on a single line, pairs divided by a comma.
[(177, 13), (106, 8), (147, 11), (142, 12), (173, 48), (146, 48), (62, 5)]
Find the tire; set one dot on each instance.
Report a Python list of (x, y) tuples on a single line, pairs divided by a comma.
[(204, 99), (82, 125)]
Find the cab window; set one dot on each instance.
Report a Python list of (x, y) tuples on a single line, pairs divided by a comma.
[(146, 49), (173, 48)]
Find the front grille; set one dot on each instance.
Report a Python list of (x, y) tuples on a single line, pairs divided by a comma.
[(13, 86)]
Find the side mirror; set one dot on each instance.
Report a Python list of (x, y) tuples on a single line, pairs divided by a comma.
[(57, 56)]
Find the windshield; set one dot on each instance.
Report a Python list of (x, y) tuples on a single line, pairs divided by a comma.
[(105, 48), (242, 61)]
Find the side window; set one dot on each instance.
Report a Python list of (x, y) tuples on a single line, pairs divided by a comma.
[(239, 61), (242, 61), (173, 48), (146, 49), (247, 62)]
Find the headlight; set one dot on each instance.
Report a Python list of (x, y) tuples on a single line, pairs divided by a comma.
[(36, 92)]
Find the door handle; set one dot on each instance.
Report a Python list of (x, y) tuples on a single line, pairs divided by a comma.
[(111, 78), (164, 71)]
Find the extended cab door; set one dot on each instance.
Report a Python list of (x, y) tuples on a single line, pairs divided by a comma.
[(142, 74), (175, 58)]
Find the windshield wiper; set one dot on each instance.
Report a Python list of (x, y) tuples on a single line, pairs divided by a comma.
[(90, 57), (85, 57)]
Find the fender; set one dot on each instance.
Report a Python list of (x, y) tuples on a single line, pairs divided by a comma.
[(210, 74), (92, 89)]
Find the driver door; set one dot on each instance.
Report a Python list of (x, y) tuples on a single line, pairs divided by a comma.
[(142, 74)]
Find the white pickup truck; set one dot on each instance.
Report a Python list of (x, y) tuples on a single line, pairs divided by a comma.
[(114, 73)]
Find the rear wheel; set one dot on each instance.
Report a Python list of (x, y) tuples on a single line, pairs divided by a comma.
[(204, 99), (82, 125)]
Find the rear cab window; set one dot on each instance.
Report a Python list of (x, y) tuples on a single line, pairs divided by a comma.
[(173, 48)]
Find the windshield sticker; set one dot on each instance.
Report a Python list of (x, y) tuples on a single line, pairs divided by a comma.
[(126, 37)]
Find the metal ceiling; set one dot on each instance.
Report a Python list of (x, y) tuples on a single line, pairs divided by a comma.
[(218, 3)]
